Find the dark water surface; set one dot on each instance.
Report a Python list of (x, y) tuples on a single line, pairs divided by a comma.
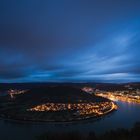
[(124, 117)]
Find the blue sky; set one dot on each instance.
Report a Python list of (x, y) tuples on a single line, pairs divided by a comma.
[(69, 41)]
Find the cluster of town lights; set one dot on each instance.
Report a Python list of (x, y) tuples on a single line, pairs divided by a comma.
[(95, 109), (118, 96), (12, 92)]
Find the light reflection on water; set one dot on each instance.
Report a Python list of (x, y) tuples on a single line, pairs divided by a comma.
[(124, 117)]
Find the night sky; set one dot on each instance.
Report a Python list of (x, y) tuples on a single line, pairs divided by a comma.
[(69, 40)]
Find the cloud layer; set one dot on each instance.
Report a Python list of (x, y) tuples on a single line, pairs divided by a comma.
[(70, 41)]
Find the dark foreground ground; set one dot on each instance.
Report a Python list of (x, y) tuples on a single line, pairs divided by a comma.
[(119, 134)]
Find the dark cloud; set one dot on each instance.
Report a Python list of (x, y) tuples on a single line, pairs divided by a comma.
[(12, 72), (76, 40)]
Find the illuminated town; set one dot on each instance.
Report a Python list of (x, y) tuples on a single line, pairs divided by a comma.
[(96, 109), (15, 92), (129, 95), (125, 96)]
